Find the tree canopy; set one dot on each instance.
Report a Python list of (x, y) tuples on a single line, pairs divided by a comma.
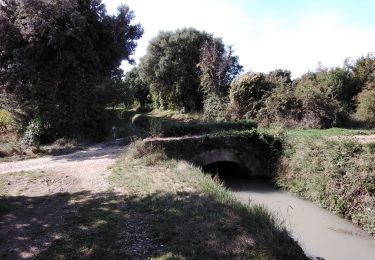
[(170, 68), (55, 56)]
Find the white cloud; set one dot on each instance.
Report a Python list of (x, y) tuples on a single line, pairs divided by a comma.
[(262, 44)]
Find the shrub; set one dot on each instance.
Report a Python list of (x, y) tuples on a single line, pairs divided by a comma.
[(247, 93), (288, 108), (159, 127), (319, 111), (34, 132), (6, 120), (180, 129), (214, 108), (366, 106), (281, 108)]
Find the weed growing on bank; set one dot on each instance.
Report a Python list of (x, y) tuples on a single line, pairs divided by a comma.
[(336, 175)]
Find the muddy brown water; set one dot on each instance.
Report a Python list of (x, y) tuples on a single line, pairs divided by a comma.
[(319, 232)]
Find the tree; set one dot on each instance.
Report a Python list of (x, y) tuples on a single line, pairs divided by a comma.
[(337, 84), (279, 77), (170, 68), (55, 57), (139, 88), (218, 68), (366, 105), (364, 69)]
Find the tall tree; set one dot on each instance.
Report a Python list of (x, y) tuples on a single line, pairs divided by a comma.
[(170, 68), (139, 88), (55, 56), (218, 68)]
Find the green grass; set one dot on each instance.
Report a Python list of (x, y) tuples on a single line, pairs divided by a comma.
[(190, 216), (328, 132)]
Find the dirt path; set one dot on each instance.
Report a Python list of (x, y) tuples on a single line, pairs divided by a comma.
[(79, 171), (40, 196)]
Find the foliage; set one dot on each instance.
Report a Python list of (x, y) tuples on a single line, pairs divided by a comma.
[(139, 88), (170, 128), (170, 69), (116, 92), (55, 56), (319, 110), (247, 94), (281, 108), (338, 176), (279, 78), (288, 108), (6, 120), (364, 69), (34, 132), (341, 86), (214, 108), (366, 106), (336, 83), (218, 68)]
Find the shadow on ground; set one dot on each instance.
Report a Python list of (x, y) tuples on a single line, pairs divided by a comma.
[(111, 226), (99, 151)]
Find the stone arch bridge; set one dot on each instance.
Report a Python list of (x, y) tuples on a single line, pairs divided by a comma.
[(257, 153)]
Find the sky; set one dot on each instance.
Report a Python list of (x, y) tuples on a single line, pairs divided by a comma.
[(267, 34)]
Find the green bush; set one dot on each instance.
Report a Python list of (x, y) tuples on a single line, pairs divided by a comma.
[(6, 120), (214, 108), (158, 127), (181, 129), (247, 94), (282, 108), (319, 110), (366, 106), (290, 108)]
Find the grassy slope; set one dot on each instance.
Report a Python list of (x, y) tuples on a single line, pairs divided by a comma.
[(339, 176), (328, 132), (313, 133), (188, 216)]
